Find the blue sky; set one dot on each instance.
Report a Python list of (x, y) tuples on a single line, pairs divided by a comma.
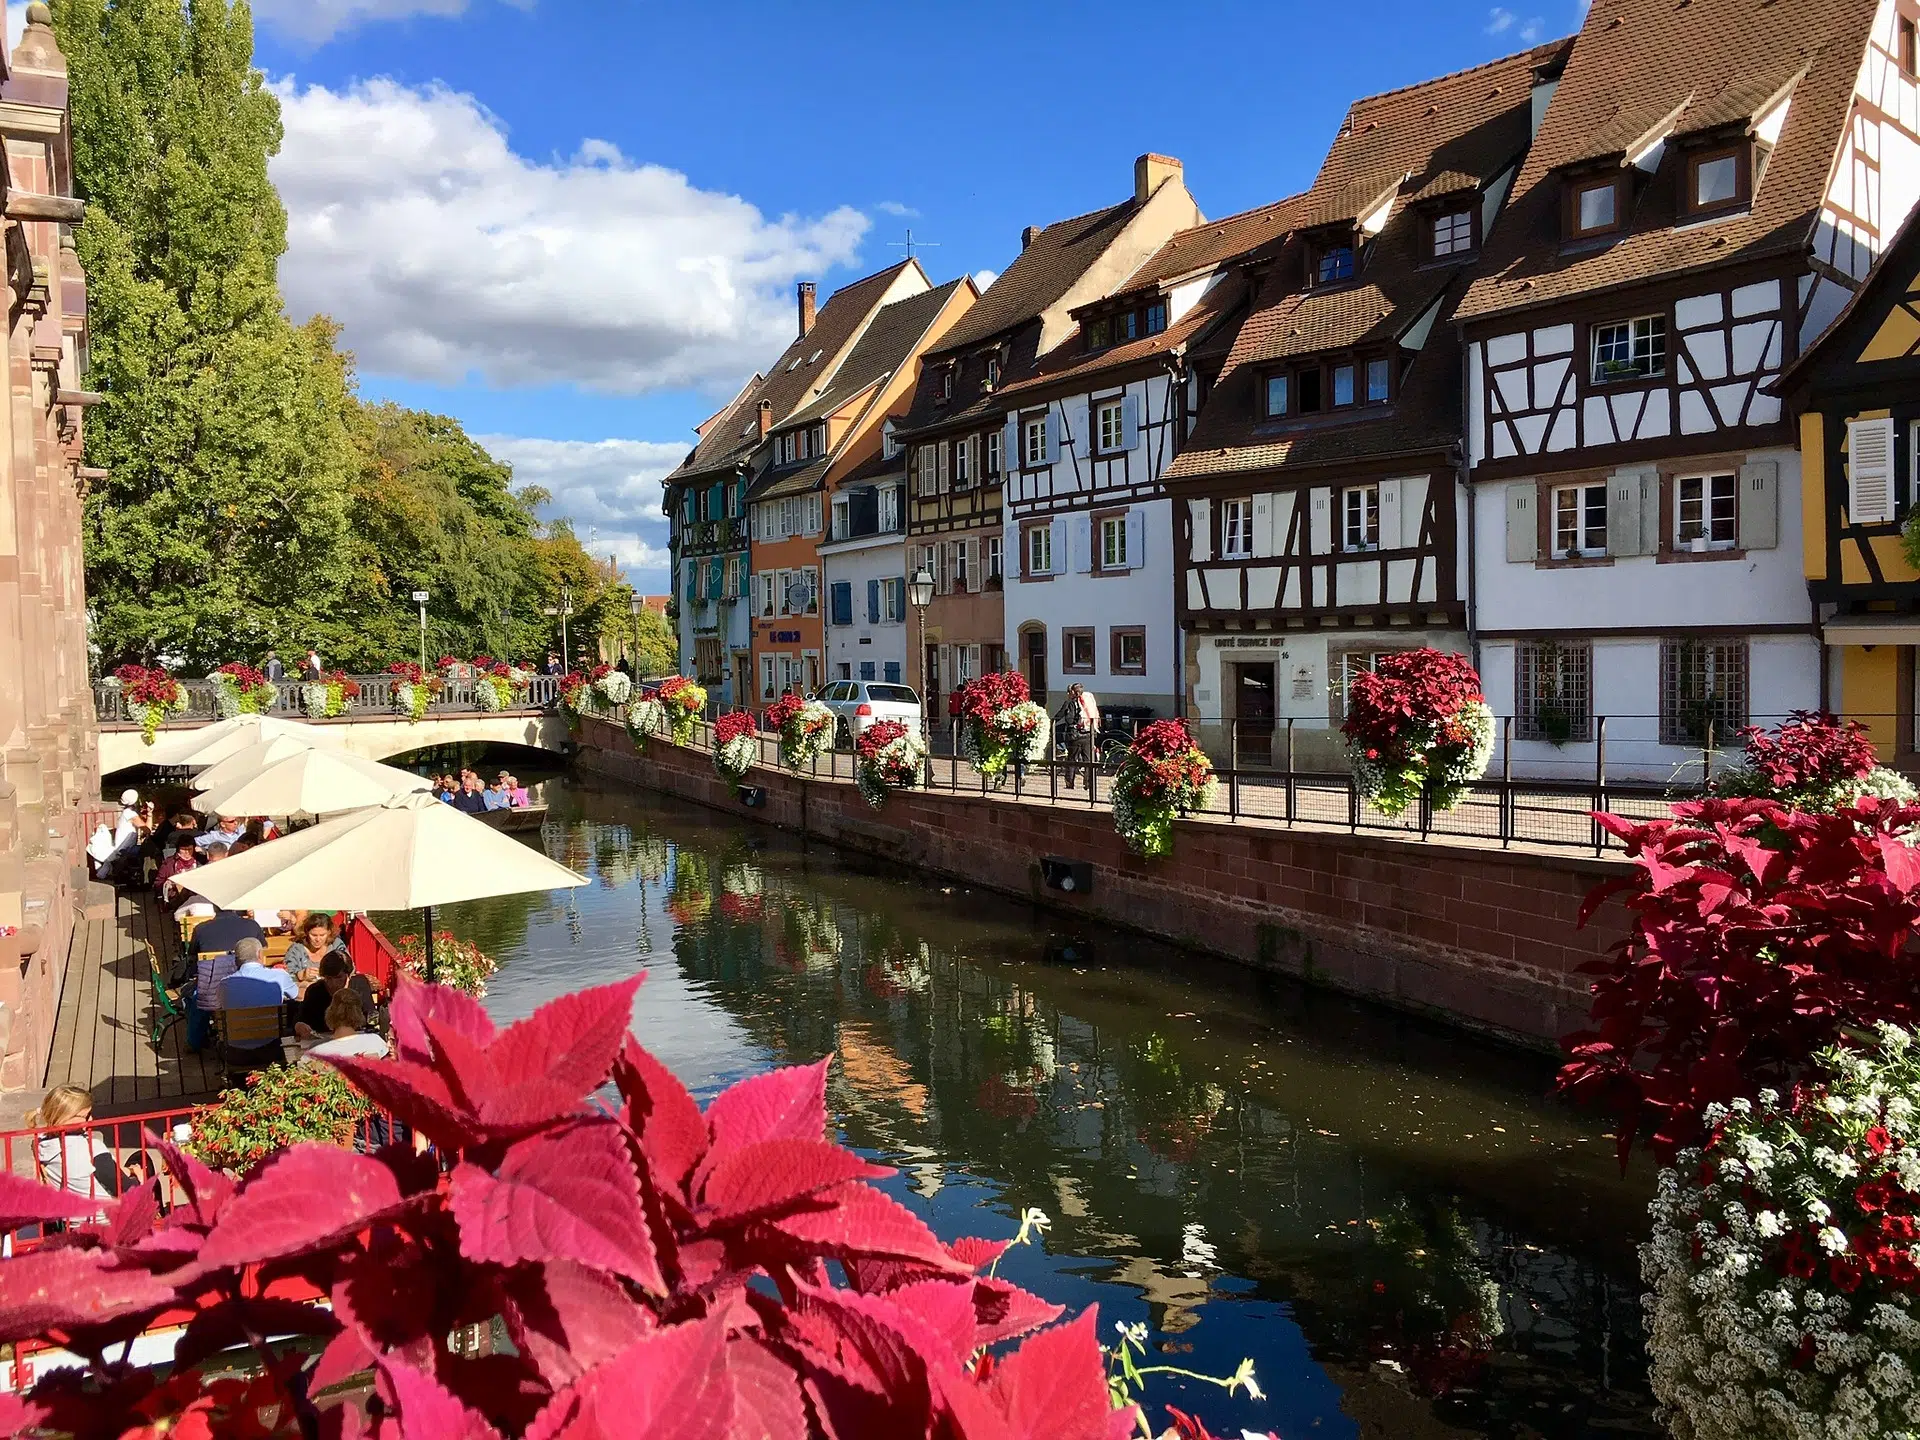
[(576, 224)]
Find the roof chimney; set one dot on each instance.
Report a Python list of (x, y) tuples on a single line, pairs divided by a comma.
[(766, 406), (1150, 172), (805, 289), (1029, 235)]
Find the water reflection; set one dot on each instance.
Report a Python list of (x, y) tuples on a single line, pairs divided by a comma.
[(1387, 1217)]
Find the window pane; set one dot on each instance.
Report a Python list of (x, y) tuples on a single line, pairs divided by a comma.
[(1343, 384), (1156, 318), (1566, 521), (1376, 382), (1276, 395), (1336, 263), (1595, 539), (1716, 181), (1596, 207), (1453, 234)]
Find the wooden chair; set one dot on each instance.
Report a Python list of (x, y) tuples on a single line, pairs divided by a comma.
[(168, 1007), (277, 947), (191, 924), (250, 1039)]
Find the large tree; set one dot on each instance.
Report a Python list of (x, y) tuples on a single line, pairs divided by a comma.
[(224, 523)]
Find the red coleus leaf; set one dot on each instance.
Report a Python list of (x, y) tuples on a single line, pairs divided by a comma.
[(412, 1093), (414, 1003), (428, 1411), (129, 1220), (672, 1385), (235, 1321), (766, 1393), (855, 1221), (771, 1175), (1002, 1310), (1052, 1386), (204, 1192), (568, 1195), (279, 1211), (788, 1104), (977, 1253), (673, 1133), (62, 1289), (26, 1202), (566, 1318)]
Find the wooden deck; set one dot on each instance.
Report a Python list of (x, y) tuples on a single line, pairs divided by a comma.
[(100, 1041)]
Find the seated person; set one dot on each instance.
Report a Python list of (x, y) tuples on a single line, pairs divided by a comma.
[(311, 944), (518, 792), (253, 973), (470, 799), (78, 1161), (224, 834), (337, 977), (348, 1023), (185, 857), (495, 796), (224, 931)]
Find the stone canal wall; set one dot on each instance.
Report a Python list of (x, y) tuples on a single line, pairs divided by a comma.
[(1481, 937)]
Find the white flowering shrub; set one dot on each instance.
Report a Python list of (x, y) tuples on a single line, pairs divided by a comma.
[(645, 716), (1783, 1265), (614, 687)]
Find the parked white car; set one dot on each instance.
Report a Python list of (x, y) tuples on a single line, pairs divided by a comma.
[(856, 704)]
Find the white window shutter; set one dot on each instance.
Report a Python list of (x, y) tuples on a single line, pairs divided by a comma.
[(1389, 514), (973, 567), (941, 462), (1057, 544), (1262, 526), (1523, 536), (1136, 539), (1870, 472), (1130, 423), (1080, 531), (1759, 505), (1623, 515), (1010, 456), (1200, 518)]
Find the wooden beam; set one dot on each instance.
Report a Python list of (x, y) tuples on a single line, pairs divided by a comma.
[(22, 206)]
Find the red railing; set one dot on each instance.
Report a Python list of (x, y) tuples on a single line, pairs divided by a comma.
[(373, 955)]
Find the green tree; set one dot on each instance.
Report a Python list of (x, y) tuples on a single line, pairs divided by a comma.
[(224, 524)]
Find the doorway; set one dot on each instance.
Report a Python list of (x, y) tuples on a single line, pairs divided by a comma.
[(1034, 662), (1253, 707)]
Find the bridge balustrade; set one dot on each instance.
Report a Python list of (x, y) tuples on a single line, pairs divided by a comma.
[(376, 699)]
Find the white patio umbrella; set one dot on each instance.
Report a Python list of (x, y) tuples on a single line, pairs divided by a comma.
[(411, 852), (197, 749), (252, 760), (306, 782)]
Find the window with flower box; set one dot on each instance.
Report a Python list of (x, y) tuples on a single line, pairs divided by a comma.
[(1579, 521), (1705, 512), (1628, 350)]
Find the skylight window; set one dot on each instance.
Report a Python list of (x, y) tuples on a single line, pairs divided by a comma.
[(793, 364), (815, 357)]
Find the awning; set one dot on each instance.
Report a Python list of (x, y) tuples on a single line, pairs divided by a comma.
[(1872, 630)]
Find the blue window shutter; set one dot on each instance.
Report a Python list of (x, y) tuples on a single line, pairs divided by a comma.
[(1129, 422), (1053, 438), (893, 672), (873, 602), (866, 669), (1010, 457), (1136, 539), (693, 579), (715, 580), (746, 579), (843, 602)]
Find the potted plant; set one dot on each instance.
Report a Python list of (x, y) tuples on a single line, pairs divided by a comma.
[(805, 728), (277, 1107), (412, 693), (1812, 762), (890, 756), (1165, 774), (1000, 724), (684, 702), (242, 690), (1417, 722), (150, 695), (457, 963), (735, 748)]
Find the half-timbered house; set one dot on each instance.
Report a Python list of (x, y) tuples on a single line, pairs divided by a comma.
[(1710, 182), (1856, 395), (1089, 574), (707, 495), (1318, 506), (955, 434)]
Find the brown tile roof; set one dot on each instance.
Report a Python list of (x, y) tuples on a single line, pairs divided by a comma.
[(1068, 361), (801, 366), (1422, 142), (1637, 60), (1044, 271), (889, 342), (1204, 246)]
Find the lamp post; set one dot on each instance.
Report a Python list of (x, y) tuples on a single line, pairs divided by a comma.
[(920, 593), (638, 605), (420, 599), (561, 612)]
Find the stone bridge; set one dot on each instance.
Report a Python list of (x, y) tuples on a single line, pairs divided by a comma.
[(373, 729)]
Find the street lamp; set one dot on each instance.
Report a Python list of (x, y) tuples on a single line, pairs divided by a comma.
[(420, 599), (562, 611), (920, 593), (638, 605)]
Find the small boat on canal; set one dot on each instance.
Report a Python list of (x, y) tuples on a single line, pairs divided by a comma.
[(528, 817)]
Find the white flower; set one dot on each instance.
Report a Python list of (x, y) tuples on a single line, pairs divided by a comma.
[(1767, 1222)]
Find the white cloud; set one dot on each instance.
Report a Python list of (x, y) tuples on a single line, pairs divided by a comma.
[(610, 489), (894, 207), (984, 278), (1499, 21), (455, 257), (1532, 31), (317, 21)]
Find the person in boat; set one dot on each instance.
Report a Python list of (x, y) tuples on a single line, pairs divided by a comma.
[(495, 795), (518, 792), (471, 799)]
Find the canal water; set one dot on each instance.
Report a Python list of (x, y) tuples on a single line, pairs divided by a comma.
[(1390, 1219)]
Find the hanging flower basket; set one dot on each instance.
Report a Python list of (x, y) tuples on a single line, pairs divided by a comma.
[(331, 697), (1164, 775), (242, 690), (150, 695), (891, 756), (1782, 1262), (613, 686), (684, 702), (1417, 722), (645, 716), (412, 693), (1814, 763), (1000, 726), (805, 728), (734, 747), (458, 963), (493, 684)]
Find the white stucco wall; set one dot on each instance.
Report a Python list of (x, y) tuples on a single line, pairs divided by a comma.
[(864, 641)]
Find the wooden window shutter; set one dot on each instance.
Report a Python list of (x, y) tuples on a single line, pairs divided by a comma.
[(941, 462), (1389, 514), (1623, 514), (1136, 539), (1869, 471), (1130, 423), (1523, 535), (1200, 520), (1759, 505)]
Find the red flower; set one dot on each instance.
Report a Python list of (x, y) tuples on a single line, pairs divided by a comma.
[(1846, 1272), (1872, 1197), (731, 727), (1878, 1139)]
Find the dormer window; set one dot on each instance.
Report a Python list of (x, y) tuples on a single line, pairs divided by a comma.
[(1279, 394), (1333, 263), (1594, 207), (993, 371), (1451, 233), (943, 385), (1156, 317), (1718, 180)]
